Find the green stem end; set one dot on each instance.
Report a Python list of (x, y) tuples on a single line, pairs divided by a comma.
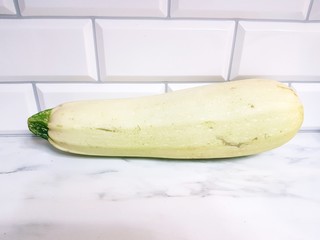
[(38, 123)]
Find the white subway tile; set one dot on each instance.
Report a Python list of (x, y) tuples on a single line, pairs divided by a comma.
[(17, 103), (47, 49), (137, 8), (180, 86), (309, 94), (262, 9), (51, 95), (7, 7), (279, 50), (315, 10), (164, 50)]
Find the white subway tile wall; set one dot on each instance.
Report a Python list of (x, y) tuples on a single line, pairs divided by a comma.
[(315, 11), (180, 86), (47, 49), (123, 8), (161, 50), (7, 7), (309, 94), (54, 51), (17, 103), (279, 50), (51, 95), (249, 9)]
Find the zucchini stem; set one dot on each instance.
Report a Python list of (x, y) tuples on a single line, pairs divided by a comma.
[(38, 123)]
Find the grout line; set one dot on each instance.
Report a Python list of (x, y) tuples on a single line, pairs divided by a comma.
[(36, 96), (245, 19), (83, 17), (316, 130), (169, 9), (232, 49), (309, 10), (17, 16), (18, 11), (166, 87), (121, 82), (95, 43), (132, 82), (17, 135)]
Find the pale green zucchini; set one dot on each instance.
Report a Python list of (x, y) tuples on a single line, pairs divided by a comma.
[(219, 120)]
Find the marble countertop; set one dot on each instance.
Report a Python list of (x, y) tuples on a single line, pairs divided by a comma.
[(46, 194)]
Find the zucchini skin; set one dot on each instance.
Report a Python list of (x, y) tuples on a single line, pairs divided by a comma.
[(221, 120)]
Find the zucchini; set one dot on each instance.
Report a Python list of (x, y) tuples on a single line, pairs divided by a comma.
[(218, 120)]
